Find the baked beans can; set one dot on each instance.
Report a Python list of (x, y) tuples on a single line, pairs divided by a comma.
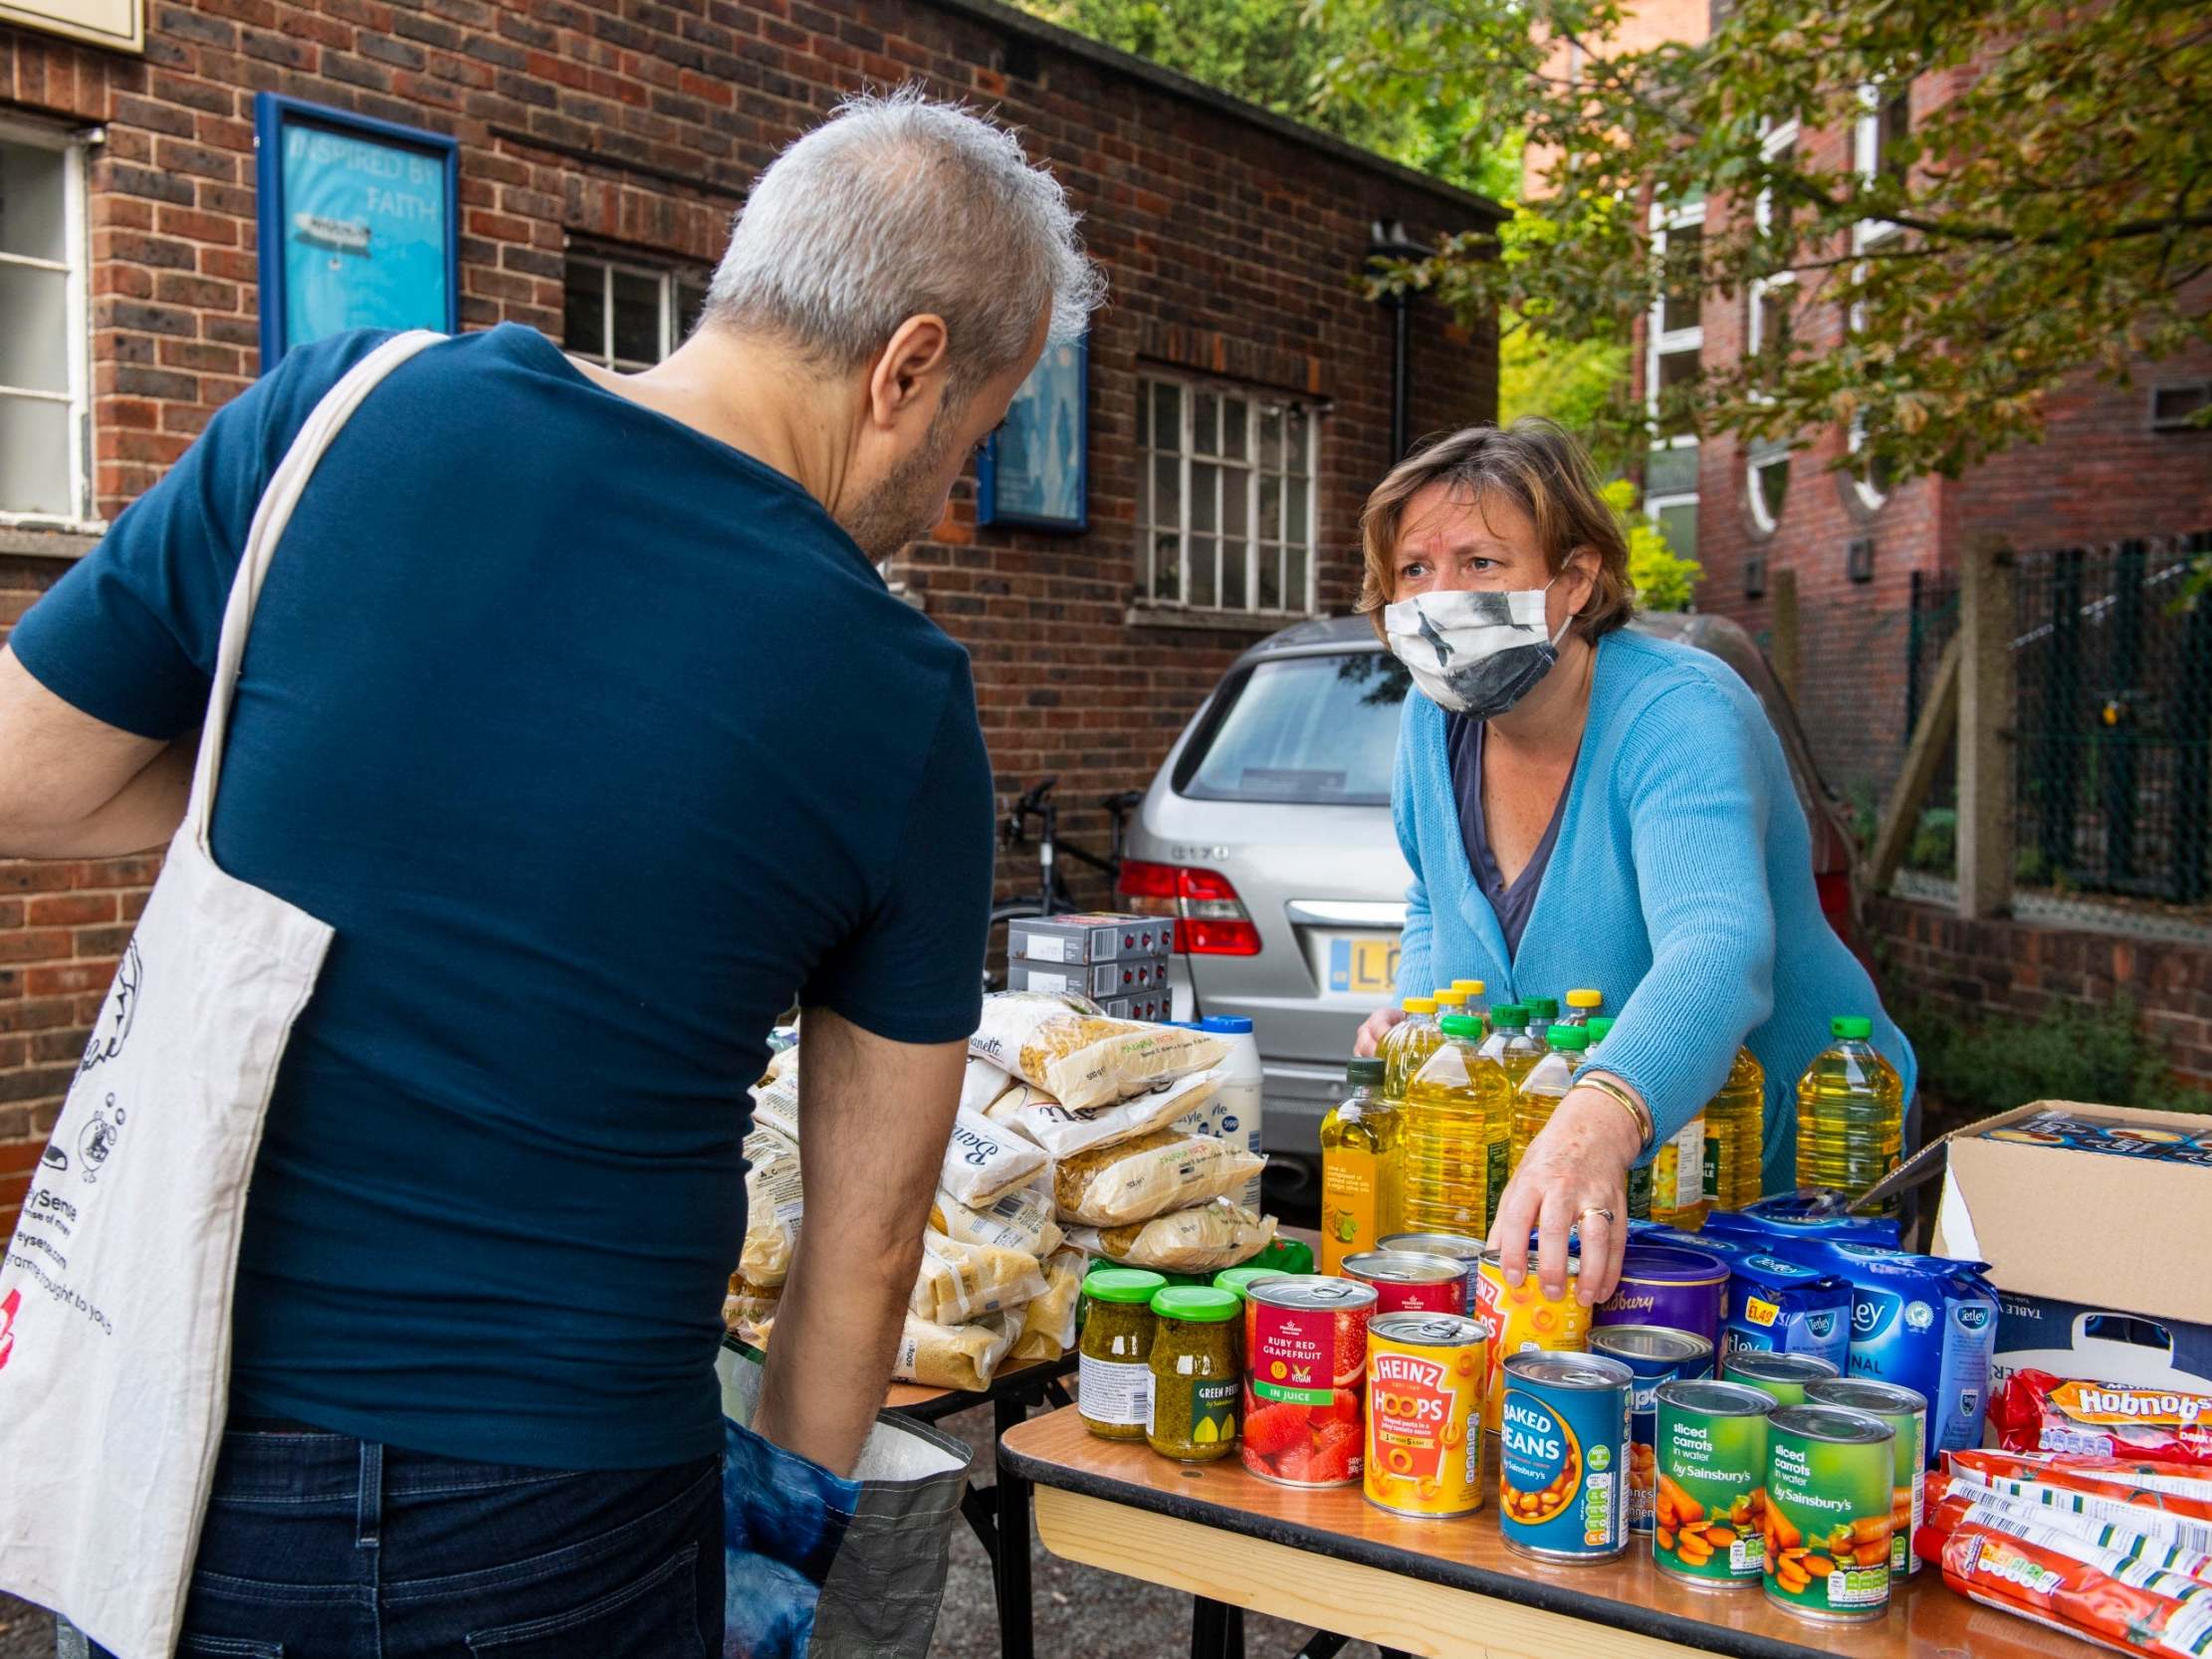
[(1563, 1456), (1784, 1376), (1524, 1320), (1829, 1511), (1423, 1452), (1709, 1513), (1407, 1282), (1907, 1413), (1669, 1287), (1653, 1356), (1305, 1377), (1467, 1252)]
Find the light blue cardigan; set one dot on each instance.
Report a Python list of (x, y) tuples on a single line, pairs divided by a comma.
[(1680, 886)]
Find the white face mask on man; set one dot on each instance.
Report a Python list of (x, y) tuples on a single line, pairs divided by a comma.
[(1475, 654)]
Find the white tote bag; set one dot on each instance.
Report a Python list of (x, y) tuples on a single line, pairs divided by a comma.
[(115, 1295)]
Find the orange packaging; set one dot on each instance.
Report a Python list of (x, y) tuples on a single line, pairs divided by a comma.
[(1424, 1453), (2050, 1585), (2061, 1477), (2036, 1412), (1520, 1320)]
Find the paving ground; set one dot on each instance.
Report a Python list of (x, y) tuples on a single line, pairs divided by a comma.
[(25, 1632)]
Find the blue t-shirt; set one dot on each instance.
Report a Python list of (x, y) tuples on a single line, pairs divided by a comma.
[(597, 742)]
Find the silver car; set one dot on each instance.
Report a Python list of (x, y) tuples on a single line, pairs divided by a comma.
[(1268, 832)]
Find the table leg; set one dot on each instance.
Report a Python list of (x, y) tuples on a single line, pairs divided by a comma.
[(1017, 1616), (1323, 1644), (1209, 1629), (1233, 1638)]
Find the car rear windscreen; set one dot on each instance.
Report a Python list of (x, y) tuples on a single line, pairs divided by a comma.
[(1320, 731)]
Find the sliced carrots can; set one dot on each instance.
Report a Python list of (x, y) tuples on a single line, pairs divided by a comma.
[(1830, 1512)]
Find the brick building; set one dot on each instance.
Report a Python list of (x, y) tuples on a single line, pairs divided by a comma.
[(601, 151)]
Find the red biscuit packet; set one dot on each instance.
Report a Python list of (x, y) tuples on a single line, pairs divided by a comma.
[(2039, 1412)]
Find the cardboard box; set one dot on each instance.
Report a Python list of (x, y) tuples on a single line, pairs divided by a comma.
[(2103, 1261), (1101, 937), (1132, 977), (1153, 1005)]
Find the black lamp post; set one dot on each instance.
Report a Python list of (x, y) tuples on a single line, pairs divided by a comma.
[(1389, 241)]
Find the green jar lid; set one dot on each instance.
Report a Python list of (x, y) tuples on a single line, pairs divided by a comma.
[(1851, 1026), (1235, 1279), (1201, 1303), (1123, 1284), (1460, 1025), (1569, 1039)]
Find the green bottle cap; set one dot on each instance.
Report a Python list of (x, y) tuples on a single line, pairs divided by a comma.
[(1600, 1025), (1510, 1015), (1569, 1039), (1365, 1073), (1852, 1027), (1123, 1284), (1203, 1302), (1543, 1007), (1235, 1279), (1460, 1025)]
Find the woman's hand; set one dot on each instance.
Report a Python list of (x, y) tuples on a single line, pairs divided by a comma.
[(1372, 1033), (1579, 1163)]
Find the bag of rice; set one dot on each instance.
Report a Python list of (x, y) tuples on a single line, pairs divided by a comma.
[(1017, 1220), (980, 1084), (1049, 1323), (749, 1310), (1072, 1050), (982, 1161), (961, 1281), (774, 1202), (1135, 1181), (1202, 1239), (962, 1356), (1066, 1131)]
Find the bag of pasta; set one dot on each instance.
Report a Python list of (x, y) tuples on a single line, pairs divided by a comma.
[(1064, 1131), (773, 1204), (775, 1099), (962, 1356), (1202, 1239), (1049, 1323), (749, 1310), (980, 1084), (1078, 1056), (961, 1281), (1017, 1220), (984, 1160), (1135, 1181)]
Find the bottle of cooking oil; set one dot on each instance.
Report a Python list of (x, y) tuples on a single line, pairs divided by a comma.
[(1509, 1043), (1362, 1142), (1543, 1014), (1678, 1179), (1408, 1043), (1582, 1006), (1448, 1104), (1735, 1136), (1478, 1007), (1850, 1112), (1545, 1085), (1600, 1028), (1449, 1002)]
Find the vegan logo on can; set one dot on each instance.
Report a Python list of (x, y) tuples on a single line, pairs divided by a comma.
[(1563, 1441), (1830, 1512)]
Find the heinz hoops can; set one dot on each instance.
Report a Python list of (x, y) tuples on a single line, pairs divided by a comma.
[(1305, 1375), (1524, 1320), (1907, 1413), (1424, 1420), (1828, 1512), (1563, 1455), (1709, 1513), (1653, 1356)]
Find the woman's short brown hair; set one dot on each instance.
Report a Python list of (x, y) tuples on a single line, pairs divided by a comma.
[(1538, 466)]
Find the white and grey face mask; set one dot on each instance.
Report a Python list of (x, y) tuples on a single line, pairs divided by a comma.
[(1475, 654)]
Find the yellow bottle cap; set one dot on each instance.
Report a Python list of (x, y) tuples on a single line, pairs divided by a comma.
[(1585, 999), (1449, 998), (1474, 987), (1419, 1005)]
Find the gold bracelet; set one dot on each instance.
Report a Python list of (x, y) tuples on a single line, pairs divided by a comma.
[(1639, 1113)]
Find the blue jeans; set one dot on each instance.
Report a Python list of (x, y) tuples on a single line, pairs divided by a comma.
[(323, 1547)]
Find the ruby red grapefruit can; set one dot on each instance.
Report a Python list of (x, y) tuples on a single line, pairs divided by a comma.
[(1305, 1378), (1411, 1282)]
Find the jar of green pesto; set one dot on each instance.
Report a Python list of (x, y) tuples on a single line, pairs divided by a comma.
[(1114, 1378), (1197, 1382)]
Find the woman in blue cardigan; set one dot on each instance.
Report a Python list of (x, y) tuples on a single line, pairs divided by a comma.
[(1584, 806)]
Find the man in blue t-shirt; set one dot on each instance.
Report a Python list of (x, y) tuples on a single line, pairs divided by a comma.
[(576, 704)]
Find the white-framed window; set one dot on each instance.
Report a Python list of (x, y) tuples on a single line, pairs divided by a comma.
[(1769, 305), (46, 460), (1225, 497), (1877, 136), (1673, 351), (1671, 496), (626, 314)]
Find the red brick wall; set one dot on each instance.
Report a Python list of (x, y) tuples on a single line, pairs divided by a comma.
[(1234, 247)]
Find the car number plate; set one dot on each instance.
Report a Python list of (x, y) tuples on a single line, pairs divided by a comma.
[(1362, 963)]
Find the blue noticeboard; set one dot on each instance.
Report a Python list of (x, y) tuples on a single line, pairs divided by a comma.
[(1035, 469), (358, 225)]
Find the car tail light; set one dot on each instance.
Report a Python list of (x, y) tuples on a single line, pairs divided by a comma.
[(1211, 921)]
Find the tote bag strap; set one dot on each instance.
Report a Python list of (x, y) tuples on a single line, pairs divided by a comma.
[(269, 518)]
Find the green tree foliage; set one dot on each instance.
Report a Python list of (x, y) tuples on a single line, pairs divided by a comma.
[(1664, 580), (2052, 214)]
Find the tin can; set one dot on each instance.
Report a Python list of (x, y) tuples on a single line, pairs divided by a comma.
[(1653, 1356), (1467, 1252), (1563, 1454), (1669, 1287), (1784, 1376), (1710, 1508), (1524, 1320), (1405, 1282), (1828, 1512), (1305, 1375), (1907, 1413), (1423, 1452)]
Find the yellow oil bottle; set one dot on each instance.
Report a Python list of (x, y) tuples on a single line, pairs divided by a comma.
[(1545, 1085), (1449, 1103), (1850, 1112), (1478, 1007), (1583, 1006), (1408, 1043), (1362, 1143), (1735, 1136)]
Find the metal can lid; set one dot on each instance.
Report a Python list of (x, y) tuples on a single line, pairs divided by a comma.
[(1648, 1341), (1311, 1290), (1715, 1399), (1834, 1424), (1456, 1246), (1567, 1371), (1424, 1330), (1864, 1394), (1403, 1267), (1670, 1264), (1778, 1368), (1496, 1258)]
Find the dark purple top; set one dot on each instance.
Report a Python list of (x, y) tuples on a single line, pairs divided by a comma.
[(1463, 743)]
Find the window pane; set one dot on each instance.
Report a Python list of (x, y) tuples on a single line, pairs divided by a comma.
[(34, 457), (1679, 522), (1271, 438), (1683, 259), (1294, 515), (34, 328), (637, 317), (1206, 421), (1236, 501), (1236, 592), (1206, 483), (1144, 494), (583, 310), (1167, 490), (1203, 591), (1167, 566), (1270, 509), (1236, 416), (1306, 728), (1294, 443), (691, 300), (1166, 417), (1771, 479), (1295, 578), (1270, 578), (1676, 368), (34, 218)]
